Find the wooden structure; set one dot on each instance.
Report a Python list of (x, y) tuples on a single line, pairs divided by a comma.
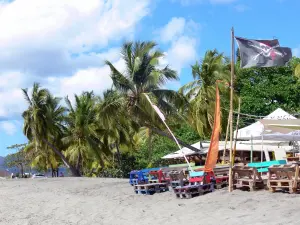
[(220, 175), (199, 183), (245, 177), (177, 178), (284, 177), (262, 167), (150, 189), (190, 191), (157, 177)]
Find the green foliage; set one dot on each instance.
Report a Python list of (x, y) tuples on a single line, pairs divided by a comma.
[(201, 93), (17, 159), (161, 146), (263, 90)]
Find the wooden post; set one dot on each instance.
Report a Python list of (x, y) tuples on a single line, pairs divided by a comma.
[(226, 138), (237, 130), (230, 186)]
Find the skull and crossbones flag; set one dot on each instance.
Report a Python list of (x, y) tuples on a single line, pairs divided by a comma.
[(262, 53)]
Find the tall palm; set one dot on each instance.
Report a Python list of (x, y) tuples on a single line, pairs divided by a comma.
[(115, 127), (83, 136), (201, 92), (143, 76), (43, 122)]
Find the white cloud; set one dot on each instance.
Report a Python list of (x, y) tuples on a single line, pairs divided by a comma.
[(90, 79), (182, 52), (42, 38), (8, 127), (62, 44), (182, 35), (296, 51), (174, 28)]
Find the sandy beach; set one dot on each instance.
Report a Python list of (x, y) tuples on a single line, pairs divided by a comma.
[(112, 201)]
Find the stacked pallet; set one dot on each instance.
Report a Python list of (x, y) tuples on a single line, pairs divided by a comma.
[(150, 189), (284, 177)]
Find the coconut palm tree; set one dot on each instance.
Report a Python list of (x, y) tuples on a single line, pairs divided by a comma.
[(115, 128), (143, 76), (201, 91), (83, 136), (43, 123)]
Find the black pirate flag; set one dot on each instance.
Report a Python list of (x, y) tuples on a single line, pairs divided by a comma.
[(262, 53)]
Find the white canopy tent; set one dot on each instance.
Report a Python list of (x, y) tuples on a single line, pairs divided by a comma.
[(241, 146), (257, 128), (281, 130), (254, 130)]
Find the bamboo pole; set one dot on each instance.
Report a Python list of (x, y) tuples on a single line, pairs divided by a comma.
[(230, 186), (226, 138), (236, 133)]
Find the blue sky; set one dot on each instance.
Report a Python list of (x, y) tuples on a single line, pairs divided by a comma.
[(62, 43)]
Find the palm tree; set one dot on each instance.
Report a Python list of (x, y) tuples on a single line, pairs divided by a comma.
[(83, 137), (43, 123), (115, 127), (201, 92), (143, 75)]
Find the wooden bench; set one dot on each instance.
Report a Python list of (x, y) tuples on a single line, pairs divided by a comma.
[(284, 177), (247, 177), (177, 178), (150, 189), (262, 167)]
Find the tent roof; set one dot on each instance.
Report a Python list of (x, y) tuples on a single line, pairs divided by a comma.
[(257, 128), (282, 126), (241, 146)]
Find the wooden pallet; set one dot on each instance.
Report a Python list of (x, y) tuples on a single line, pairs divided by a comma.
[(178, 183), (245, 177), (191, 191), (284, 177), (150, 189), (221, 182)]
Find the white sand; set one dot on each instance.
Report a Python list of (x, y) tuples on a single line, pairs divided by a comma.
[(112, 201)]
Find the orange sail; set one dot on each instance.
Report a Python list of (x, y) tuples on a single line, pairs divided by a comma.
[(212, 155)]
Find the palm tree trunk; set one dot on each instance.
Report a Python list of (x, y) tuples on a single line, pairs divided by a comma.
[(22, 170), (78, 162), (164, 134), (150, 145), (73, 170), (119, 155)]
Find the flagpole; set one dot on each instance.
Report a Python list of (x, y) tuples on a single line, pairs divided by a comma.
[(163, 120), (230, 186)]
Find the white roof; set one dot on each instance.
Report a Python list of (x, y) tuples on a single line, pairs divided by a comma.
[(241, 146), (257, 128)]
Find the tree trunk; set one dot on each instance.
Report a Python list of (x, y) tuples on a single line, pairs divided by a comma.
[(57, 170), (78, 162), (162, 133), (119, 155), (22, 170), (150, 145), (73, 170)]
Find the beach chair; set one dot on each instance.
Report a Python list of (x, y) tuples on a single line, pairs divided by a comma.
[(247, 177), (221, 176), (177, 178), (262, 167), (137, 177), (284, 177), (157, 177), (199, 183)]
